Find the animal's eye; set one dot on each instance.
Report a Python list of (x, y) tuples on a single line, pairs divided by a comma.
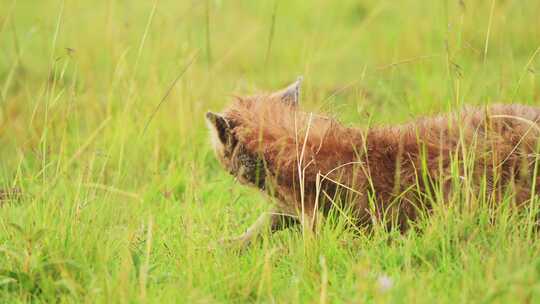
[(232, 142)]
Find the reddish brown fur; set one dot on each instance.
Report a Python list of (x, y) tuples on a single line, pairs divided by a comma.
[(348, 165)]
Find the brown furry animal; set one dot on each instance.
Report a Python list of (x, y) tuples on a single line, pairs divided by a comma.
[(386, 174)]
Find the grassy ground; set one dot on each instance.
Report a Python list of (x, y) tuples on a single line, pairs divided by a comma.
[(122, 198)]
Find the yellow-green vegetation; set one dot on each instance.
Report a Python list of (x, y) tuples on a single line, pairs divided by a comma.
[(119, 196)]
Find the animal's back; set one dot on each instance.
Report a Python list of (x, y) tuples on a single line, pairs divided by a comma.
[(496, 145)]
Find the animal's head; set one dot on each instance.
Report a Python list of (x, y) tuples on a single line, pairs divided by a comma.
[(231, 149)]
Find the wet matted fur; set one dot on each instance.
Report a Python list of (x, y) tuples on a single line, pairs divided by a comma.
[(311, 162)]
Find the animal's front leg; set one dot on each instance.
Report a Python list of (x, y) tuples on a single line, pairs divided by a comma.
[(276, 221)]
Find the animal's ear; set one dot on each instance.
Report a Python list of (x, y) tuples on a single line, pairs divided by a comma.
[(291, 94), (220, 125)]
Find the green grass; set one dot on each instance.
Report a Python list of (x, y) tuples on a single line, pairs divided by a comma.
[(112, 211)]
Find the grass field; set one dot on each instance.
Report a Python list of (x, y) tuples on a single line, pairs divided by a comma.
[(122, 200)]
